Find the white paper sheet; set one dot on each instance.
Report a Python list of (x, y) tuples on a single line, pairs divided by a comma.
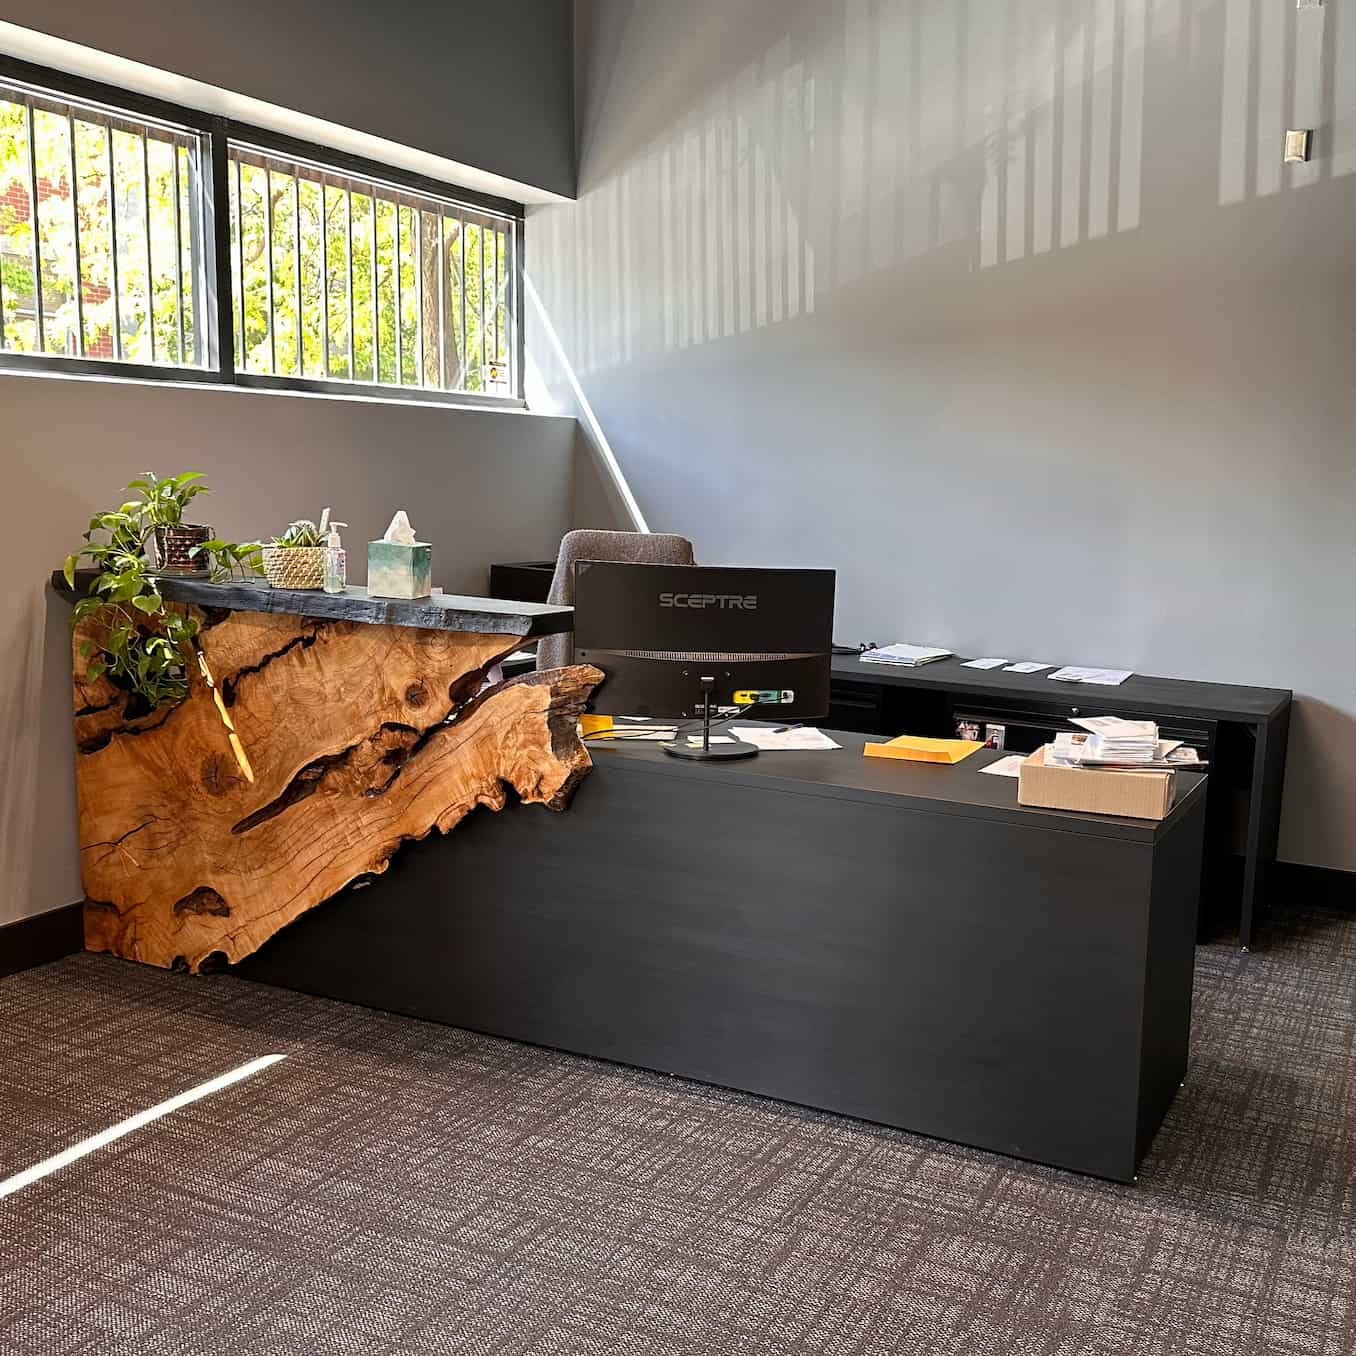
[(768, 737), (909, 656), (985, 663), (1027, 666), (1117, 727), (1011, 766)]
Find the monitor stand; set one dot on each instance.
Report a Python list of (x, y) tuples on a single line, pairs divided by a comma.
[(706, 751)]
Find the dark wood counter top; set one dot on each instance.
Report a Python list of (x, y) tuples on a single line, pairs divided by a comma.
[(844, 774), (439, 612), (1142, 692)]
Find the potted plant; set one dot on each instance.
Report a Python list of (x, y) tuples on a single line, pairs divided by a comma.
[(176, 541), (142, 644), (296, 558)]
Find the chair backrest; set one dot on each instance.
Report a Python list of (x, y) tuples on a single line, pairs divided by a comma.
[(630, 548)]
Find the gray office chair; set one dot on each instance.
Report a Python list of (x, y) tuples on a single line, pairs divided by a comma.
[(630, 548)]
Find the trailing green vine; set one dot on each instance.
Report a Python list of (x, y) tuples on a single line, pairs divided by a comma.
[(146, 646)]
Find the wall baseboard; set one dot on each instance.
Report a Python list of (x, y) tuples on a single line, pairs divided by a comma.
[(44, 937), (1325, 886)]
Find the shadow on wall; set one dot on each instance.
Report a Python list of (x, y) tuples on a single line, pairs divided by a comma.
[(883, 284), (874, 132)]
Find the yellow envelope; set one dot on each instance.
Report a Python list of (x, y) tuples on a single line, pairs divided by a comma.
[(918, 749)]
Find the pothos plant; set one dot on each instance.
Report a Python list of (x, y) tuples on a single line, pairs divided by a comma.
[(164, 500), (144, 646)]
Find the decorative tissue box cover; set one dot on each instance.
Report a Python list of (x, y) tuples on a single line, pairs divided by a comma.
[(395, 570)]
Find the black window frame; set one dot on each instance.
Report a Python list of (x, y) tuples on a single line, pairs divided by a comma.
[(216, 133)]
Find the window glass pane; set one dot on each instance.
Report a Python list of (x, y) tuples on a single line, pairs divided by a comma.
[(106, 245), (346, 279), (365, 284), (336, 283), (104, 211)]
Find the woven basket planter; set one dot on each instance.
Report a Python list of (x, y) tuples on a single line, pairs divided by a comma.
[(295, 567)]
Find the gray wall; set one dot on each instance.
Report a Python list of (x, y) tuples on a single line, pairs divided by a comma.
[(1006, 309), (489, 85), (481, 485)]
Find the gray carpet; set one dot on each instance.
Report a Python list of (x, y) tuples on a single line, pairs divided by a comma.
[(393, 1187)]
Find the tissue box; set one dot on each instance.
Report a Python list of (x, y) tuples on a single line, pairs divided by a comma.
[(395, 570)]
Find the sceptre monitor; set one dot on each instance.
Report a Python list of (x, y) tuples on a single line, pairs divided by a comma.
[(679, 640)]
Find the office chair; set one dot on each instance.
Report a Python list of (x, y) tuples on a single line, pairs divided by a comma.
[(627, 548)]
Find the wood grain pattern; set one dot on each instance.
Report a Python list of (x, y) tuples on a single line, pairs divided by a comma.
[(360, 738)]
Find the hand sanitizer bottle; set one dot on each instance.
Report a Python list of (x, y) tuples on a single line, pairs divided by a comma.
[(336, 561)]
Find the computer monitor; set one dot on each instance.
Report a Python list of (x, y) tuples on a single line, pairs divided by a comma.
[(679, 640)]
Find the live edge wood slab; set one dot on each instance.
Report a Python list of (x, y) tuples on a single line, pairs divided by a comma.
[(364, 724)]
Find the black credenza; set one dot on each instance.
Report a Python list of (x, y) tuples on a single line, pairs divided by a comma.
[(1242, 732)]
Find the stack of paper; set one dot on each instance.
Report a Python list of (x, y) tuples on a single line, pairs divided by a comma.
[(1108, 739), (1073, 673), (905, 656), (1117, 740)]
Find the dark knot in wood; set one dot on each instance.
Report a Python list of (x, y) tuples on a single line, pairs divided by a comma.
[(203, 900), (218, 774)]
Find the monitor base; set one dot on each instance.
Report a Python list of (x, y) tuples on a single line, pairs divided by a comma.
[(712, 753)]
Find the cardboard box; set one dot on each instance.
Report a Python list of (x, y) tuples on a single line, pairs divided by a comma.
[(1138, 795)]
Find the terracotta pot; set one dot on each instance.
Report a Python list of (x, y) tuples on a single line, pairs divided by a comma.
[(174, 542)]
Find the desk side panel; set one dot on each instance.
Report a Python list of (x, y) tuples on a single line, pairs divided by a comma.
[(1169, 970)]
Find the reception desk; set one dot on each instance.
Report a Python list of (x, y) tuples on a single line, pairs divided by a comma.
[(893, 941), (319, 735)]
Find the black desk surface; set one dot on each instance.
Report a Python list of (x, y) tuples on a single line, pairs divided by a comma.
[(846, 774), (1161, 696), (439, 612)]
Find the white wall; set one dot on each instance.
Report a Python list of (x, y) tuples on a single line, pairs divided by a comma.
[(482, 485), (1005, 309)]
